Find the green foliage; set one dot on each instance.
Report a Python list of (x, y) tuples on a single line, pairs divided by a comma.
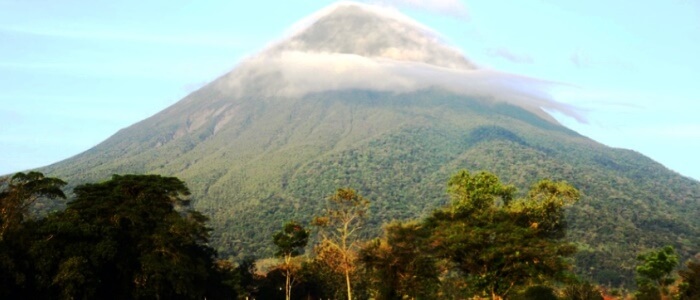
[(499, 247), (690, 280), (400, 266), (478, 192), (291, 240), (18, 194), (492, 133), (654, 271), (253, 161), (130, 237), (135, 236)]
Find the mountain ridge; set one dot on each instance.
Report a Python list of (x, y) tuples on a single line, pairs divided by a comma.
[(268, 141)]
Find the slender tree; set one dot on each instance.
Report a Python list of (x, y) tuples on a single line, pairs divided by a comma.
[(290, 242), (340, 226)]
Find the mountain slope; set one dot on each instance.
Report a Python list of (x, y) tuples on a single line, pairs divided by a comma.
[(392, 115)]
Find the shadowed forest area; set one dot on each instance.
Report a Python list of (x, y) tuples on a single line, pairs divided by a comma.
[(137, 237)]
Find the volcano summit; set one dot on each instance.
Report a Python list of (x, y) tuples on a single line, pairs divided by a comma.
[(366, 98)]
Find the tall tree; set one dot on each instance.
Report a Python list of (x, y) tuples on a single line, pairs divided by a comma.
[(654, 270), (497, 242), (21, 191), (133, 236), (340, 225), (17, 196), (400, 265), (290, 242)]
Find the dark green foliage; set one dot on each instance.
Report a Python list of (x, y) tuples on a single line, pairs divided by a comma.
[(18, 194), (536, 292), (492, 133), (323, 282), (291, 240), (244, 278), (400, 265), (130, 237), (690, 280)]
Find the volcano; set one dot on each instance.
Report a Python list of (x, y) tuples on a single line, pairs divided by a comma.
[(366, 98)]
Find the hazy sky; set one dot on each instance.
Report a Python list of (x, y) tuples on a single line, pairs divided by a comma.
[(72, 72)]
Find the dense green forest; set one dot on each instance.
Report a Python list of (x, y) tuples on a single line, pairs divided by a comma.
[(137, 237), (252, 161)]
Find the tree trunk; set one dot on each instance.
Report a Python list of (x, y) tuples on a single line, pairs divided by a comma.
[(494, 296), (347, 280), (287, 288), (288, 275)]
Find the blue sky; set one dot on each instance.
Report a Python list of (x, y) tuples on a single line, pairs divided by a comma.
[(72, 73)]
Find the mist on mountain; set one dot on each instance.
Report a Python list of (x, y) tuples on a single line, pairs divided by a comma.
[(356, 46)]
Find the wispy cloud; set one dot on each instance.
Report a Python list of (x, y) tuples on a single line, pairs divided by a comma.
[(581, 59), (510, 56)]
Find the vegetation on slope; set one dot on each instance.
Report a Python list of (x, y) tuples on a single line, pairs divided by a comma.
[(134, 236), (253, 162)]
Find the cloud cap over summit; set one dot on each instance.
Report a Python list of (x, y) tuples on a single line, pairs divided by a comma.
[(357, 46), (353, 28)]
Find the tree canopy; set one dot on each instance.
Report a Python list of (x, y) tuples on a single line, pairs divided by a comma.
[(137, 237), (499, 242), (133, 236), (20, 192)]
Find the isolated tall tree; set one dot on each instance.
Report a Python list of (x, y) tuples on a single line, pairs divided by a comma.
[(18, 193), (290, 242), (340, 225), (499, 242)]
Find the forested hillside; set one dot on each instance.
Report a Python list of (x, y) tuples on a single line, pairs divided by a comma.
[(136, 237), (399, 152)]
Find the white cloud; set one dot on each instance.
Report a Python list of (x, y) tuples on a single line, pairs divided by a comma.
[(294, 74), (287, 69)]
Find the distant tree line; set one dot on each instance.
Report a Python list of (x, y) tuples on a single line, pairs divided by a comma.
[(137, 237)]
